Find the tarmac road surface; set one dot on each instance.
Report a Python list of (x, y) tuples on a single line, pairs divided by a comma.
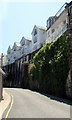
[(29, 104)]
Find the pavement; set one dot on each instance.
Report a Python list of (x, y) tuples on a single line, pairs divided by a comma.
[(29, 104), (4, 103)]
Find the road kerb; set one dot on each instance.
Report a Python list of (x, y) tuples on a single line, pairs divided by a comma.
[(8, 107)]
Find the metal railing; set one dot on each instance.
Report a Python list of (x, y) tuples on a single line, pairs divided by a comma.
[(61, 10)]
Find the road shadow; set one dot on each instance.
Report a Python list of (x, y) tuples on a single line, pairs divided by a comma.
[(66, 101), (62, 100)]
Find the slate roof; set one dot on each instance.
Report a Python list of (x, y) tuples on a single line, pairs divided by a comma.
[(41, 28), (26, 38), (17, 44)]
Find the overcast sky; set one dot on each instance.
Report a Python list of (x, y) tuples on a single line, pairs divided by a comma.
[(17, 18)]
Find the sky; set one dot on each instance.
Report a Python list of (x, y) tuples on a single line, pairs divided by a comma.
[(18, 17)]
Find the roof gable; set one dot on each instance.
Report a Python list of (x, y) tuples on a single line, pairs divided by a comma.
[(38, 27)]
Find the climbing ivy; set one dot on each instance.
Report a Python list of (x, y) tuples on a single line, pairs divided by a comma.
[(50, 66)]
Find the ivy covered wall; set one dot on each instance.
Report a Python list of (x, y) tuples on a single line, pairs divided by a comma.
[(50, 67)]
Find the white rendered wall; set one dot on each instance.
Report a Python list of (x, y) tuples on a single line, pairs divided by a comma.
[(59, 27)]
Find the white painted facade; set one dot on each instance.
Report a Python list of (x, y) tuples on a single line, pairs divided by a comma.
[(58, 27), (18, 50), (26, 45), (38, 37)]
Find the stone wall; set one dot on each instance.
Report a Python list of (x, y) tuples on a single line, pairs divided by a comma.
[(69, 79)]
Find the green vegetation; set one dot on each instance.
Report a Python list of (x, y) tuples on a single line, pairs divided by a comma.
[(47, 71), (50, 67)]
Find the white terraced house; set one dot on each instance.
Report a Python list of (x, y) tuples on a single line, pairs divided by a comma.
[(13, 53), (57, 25), (18, 50), (26, 45), (38, 37)]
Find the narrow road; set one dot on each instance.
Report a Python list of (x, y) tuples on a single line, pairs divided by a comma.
[(29, 104)]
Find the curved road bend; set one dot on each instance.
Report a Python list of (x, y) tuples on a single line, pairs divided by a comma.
[(29, 104)]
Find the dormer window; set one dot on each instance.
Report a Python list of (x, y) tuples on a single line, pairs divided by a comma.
[(48, 24), (35, 32), (48, 33), (50, 21), (8, 52), (35, 39), (53, 30), (22, 51), (64, 22), (14, 49), (14, 57), (23, 42), (8, 60)]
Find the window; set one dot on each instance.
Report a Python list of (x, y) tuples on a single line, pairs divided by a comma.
[(14, 49), (25, 58), (14, 57), (48, 33), (22, 60), (22, 52), (35, 39), (64, 22), (53, 30), (71, 10), (8, 52), (23, 42), (48, 24), (8, 60), (35, 32)]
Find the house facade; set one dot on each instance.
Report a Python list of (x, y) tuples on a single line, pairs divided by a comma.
[(19, 50), (13, 53), (38, 37), (56, 26), (27, 46)]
